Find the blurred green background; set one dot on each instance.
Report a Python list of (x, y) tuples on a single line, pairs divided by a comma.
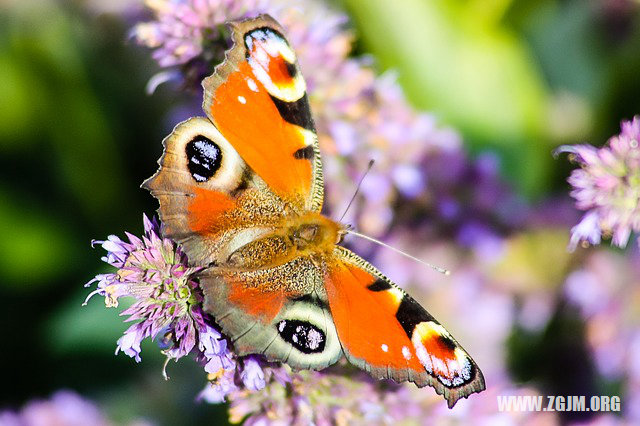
[(78, 134)]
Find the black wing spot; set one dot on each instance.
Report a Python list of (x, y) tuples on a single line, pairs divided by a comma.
[(379, 285), (302, 335), (447, 342), (203, 158), (305, 153), (292, 70), (410, 314), (296, 112), (312, 300)]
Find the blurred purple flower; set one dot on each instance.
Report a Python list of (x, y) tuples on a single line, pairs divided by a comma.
[(64, 408), (326, 399), (607, 187), (184, 28), (633, 385), (606, 292), (219, 386), (603, 290), (253, 375), (368, 118)]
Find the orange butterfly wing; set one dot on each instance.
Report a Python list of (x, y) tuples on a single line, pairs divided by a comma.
[(387, 333), (257, 99)]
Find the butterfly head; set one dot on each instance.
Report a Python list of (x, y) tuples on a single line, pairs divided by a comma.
[(344, 230)]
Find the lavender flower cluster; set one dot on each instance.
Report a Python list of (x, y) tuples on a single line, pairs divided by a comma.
[(167, 302), (424, 195)]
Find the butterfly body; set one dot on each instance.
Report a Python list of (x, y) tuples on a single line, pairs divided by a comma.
[(311, 235), (242, 190)]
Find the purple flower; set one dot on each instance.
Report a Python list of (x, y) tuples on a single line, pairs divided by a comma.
[(130, 342), (587, 230), (368, 118), (155, 272), (214, 349), (252, 375), (168, 302), (607, 187), (605, 290), (218, 387), (184, 28)]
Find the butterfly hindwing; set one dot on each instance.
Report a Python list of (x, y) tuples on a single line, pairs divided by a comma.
[(387, 333), (257, 98), (280, 312)]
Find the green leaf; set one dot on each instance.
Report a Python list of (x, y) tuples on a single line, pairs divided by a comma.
[(468, 68)]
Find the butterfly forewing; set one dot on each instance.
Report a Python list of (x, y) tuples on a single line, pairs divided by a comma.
[(257, 99), (386, 332)]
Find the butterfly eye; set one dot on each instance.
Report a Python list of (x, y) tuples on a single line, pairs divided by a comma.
[(304, 336), (203, 158)]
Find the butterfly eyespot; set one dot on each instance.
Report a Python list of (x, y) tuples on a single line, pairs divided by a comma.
[(204, 158), (302, 335), (273, 63)]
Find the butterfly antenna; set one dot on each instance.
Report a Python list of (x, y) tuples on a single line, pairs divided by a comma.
[(373, 240), (369, 166)]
